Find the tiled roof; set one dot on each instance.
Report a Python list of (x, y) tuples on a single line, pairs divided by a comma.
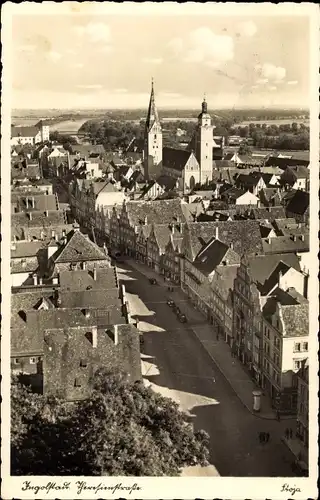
[(262, 266), (26, 248), (41, 202), (285, 162), (294, 315), (269, 193), (296, 320), (232, 193), (29, 172), (168, 183), (229, 232), (90, 299), (191, 211), (273, 279), (289, 226), (214, 254), (78, 248), (247, 180), (86, 150), (283, 244), (38, 219), (175, 159), (157, 212), (78, 280), (24, 265), (135, 146), (223, 279), (24, 131), (269, 213), (162, 235)]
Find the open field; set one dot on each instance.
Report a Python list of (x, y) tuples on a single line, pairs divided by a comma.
[(69, 125), (273, 122)]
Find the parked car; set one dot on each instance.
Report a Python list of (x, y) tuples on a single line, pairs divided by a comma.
[(152, 281), (170, 303), (182, 318)]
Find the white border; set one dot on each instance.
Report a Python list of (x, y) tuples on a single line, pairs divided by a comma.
[(165, 488)]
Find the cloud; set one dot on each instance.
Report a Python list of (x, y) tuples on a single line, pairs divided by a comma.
[(262, 81), (203, 46), (270, 71), (176, 46), (26, 48), (247, 28), (94, 86), (152, 60), (121, 91), (94, 32), (54, 56), (292, 82), (77, 65)]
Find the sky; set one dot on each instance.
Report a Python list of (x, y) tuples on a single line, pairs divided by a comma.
[(107, 61)]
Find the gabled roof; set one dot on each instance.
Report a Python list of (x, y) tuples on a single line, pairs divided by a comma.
[(156, 212), (162, 235), (38, 219), (24, 131), (283, 244), (78, 280), (299, 203), (175, 159), (223, 279), (283, 163), (262, 266), (229, 232), (214, 254), (166, 182), (78, 248)]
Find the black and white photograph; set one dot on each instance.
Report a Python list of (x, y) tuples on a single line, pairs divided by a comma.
[(159, 170)]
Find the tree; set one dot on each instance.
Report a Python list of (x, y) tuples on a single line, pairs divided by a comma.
[(244, 149), (123, 428)]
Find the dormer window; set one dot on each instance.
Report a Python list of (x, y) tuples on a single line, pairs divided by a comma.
[(77, 382), (83, 363)]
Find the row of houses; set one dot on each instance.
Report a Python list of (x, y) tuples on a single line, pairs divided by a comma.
[(69, 314)]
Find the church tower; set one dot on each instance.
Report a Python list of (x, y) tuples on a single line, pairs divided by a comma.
[(152, 141), (204, 144)]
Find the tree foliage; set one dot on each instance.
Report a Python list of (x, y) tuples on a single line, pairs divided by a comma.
[(122, 429)]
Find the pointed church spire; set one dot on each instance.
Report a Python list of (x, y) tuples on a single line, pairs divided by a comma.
[(152, 116)]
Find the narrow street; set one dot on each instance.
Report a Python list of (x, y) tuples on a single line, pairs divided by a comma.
[(177, 365)]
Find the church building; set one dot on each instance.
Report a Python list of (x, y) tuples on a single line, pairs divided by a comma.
[(189, 167)]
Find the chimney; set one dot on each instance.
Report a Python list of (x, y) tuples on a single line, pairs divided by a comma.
[(294, 237), (279, 279), (94, 332), (40, 281), (116, 335), (32, 202), (302, 237), (172, 228), (231, 246), (145, 220), (46, 213), (64, 232), (84, 265), (217, 233), (76, 226), (86, 313), (95, 273), (30, 215), (13, 245), (56, 237), (35, 279), (55, 281), (53, 233)]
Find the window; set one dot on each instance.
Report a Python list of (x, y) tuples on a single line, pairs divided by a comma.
[(305, 346), (33, 361), (155, 136), (297, 347), (77, 383), (297, 364), (83, 363), (16, 361)]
